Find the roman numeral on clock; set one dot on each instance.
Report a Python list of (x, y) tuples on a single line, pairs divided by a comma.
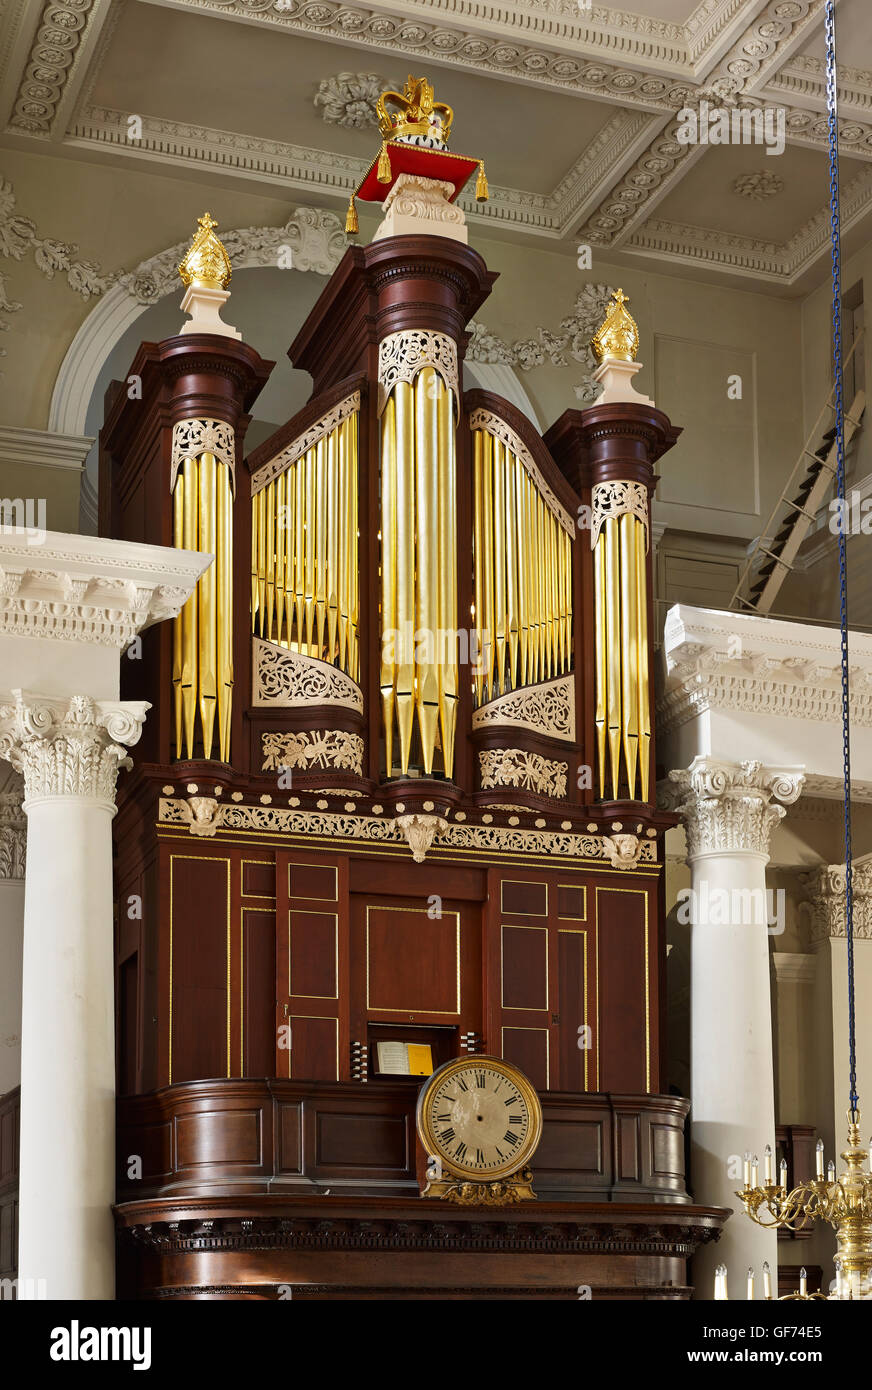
[(446, 1116), (513, 1120), (510, 1138), (480, 1081), (446, 1136), (460, 1151), (479, 1156), (462, 1084)]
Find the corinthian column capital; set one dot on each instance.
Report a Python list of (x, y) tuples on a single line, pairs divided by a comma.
[(69, 747), (732, 807)]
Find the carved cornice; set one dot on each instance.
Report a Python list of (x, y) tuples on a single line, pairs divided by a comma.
[(515, 767), (732, 807), (334, 827), (58, 48), (547, 709), (764, 666), (826, 902), (85, 589), (291, 680), (69, 748)]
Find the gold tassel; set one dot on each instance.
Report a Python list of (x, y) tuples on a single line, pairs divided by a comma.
[(351, 224), (384, 165), (481, 185)]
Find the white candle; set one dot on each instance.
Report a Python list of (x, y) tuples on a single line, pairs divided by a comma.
[(831, 1171), (840, 1280), (767, 1280), (751, 1282), (819, 1159), (783, 1174), (754, 1171), (803, 1281), (746, 1170), (767, 1164), (720, 1283)]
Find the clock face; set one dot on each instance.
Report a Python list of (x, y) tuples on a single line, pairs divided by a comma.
[(480, 1117)]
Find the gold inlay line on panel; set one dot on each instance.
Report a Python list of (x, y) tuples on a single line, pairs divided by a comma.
[(576, 931), (522, 883), (305, 897), (576, 888)]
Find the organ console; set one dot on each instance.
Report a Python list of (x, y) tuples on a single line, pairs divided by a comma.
[(393, 804)]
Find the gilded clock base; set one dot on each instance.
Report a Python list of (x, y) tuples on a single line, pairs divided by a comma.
[(502, 1192)]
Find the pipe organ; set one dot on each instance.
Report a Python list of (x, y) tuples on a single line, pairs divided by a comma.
[(424, 826)]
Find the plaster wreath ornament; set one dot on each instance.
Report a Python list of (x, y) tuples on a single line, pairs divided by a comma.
[(19, 237), (349, 98), (758, 186)]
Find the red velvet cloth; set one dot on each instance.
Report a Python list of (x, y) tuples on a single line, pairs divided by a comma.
[(416, 159)]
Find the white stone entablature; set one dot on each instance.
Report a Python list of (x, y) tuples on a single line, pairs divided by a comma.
[(766, 688), (85, 598)]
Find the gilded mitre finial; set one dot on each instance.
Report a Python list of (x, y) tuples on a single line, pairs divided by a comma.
[(618, 334), (206, 262)]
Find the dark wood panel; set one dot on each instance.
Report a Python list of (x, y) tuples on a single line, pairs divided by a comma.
[(349, 1139), (228, 1137), (523, 898), (313, 954), (258, 878), (316, 881), (528, 1048), (412, 961), (525, 967), (199, 967), (624, 1003), (259, 955), (573, 1054), (314, 1050)]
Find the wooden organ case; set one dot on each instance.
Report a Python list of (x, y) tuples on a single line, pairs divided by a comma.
[(395, 787)]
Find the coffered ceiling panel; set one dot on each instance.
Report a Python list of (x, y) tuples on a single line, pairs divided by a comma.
[(574, 110)]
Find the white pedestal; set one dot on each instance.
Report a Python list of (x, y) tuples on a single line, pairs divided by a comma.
[(204, 306), (417, 206)]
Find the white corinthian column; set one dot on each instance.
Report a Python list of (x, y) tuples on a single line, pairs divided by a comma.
[(729, 810), (69, 751)]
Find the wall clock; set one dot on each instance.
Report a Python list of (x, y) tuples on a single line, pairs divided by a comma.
[(480, 1121)]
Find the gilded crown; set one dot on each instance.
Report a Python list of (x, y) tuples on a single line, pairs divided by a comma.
[(414, 113), (206, 262), (618, 334)]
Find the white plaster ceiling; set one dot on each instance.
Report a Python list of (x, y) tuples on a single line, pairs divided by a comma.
[(573, 110)]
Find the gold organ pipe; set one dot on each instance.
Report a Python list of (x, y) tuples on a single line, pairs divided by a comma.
[(353, 667), (290, 531), (321, 468), (342, 522), (427, 557), (643, 685), (261, 562), (519, 519), (541, 601), (553, 609), (445, 517), (390, 541), (487, 560), (207, 655), (404, 540), (224, 563), (613, 647), (270, 505), (478, 553), (511, 535), (600, 656), (178, 541), (309, 541), (332, 523), (629, 650), (254, 535), (300, 548), (500, 610), (281, 530), (190, 541)]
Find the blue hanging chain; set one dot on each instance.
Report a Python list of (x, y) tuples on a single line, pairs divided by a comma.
[(835, 229)]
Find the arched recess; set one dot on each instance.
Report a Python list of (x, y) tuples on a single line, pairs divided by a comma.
[(143, 306)]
